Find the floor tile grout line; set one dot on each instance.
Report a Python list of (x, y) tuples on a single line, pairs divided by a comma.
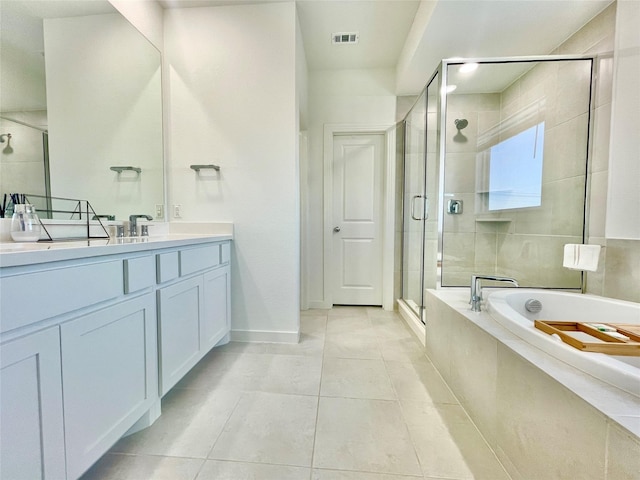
[(378, 474), (404, 419), (395, 401), (315, 428), (458, 403), (244, 392), (253, 462), (235, 407)]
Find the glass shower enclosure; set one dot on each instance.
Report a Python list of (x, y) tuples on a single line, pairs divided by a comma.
[(495, 173)]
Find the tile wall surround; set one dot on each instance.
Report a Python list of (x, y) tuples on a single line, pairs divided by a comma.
[(529, 245), (528, 405), (486, 246), (471, 247), (618, 274)]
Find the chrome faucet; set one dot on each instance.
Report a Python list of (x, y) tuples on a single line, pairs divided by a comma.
[(133, 223), (476, 288)]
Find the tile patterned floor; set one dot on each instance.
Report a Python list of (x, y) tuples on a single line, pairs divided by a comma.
[(356, 399)]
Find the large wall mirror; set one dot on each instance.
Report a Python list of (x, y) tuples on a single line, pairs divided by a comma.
[(80, 93)]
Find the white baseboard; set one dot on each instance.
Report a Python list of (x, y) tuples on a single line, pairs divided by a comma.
[(258, 336), (147, 419), (412, 321), (319, 305)]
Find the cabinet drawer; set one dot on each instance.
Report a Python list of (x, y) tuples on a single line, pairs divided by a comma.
[(167, 265), (200, 258), (32, 297), (139, 273)]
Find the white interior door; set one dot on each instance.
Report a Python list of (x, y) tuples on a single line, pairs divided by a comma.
[(357, 219)]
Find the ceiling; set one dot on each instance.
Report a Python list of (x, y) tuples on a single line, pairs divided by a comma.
[(410, 36), (488, 28), (21, 21), (382, 26)]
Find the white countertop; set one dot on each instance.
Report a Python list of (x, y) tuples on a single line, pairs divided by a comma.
[(13, 254)]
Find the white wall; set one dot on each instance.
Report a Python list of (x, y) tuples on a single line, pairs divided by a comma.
[(146, 15), (623, 206), (302, 78), (104, 109), (231, 74), (302, 102), (352, 97)]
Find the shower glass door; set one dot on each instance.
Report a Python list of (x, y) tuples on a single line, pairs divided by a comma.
[(413, 211), (420, 240)]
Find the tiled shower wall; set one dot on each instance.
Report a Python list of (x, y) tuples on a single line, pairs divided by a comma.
[(475, 247), (618, 275), (536, 237), (523, 243)]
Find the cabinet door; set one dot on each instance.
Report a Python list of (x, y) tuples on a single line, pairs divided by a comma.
[(179, 310), (216, 318), (31, 425), (110, 377)]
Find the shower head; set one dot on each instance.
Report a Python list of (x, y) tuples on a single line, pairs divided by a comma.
[(461, 123), (8, 149)]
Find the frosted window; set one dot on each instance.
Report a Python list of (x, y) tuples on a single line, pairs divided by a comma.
[(515, 173)]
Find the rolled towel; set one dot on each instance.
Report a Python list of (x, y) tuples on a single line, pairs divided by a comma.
[(581, 257)]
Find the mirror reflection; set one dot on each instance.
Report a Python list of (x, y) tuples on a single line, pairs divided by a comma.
[(80, 93)]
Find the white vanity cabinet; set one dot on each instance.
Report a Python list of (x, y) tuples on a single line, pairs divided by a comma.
[(88, 345), (193, 310), (31, 421), (110, 377)]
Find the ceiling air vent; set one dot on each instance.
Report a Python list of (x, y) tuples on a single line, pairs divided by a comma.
[(343, 38)]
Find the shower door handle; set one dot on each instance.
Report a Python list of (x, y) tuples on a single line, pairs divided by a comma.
[(425, 206)]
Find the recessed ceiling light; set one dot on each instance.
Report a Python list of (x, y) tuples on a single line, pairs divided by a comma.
[(469, 67)]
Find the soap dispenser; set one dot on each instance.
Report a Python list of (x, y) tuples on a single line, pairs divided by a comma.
[(25, 225)]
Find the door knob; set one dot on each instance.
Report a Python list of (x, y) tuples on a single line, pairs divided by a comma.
[(336, 229)]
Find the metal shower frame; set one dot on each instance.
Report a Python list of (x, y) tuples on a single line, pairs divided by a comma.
[(441, 72)]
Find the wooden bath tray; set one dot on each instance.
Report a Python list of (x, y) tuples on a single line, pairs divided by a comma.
[(609, 345)]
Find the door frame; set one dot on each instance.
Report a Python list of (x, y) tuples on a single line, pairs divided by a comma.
[(388, 205)]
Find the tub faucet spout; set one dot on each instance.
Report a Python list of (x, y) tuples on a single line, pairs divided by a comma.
[(476, 288)]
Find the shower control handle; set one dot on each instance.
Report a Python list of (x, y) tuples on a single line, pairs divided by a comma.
[(424, 207)]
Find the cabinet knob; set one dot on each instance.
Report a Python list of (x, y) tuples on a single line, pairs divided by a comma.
[(336, 229)]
